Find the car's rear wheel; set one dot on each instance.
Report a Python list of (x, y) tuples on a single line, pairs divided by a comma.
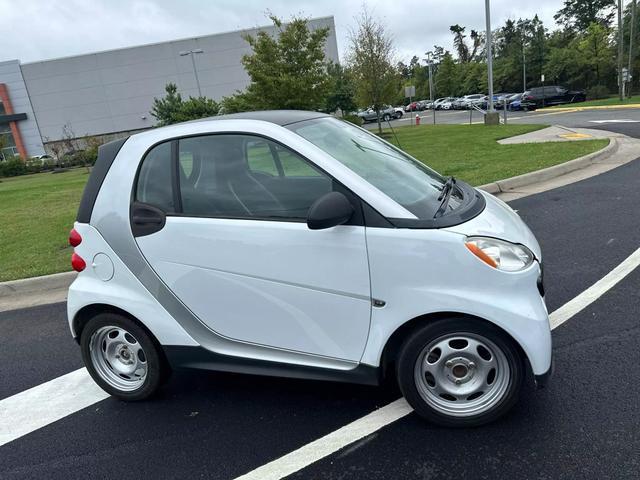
[(122, 358), (460, 372), (386, 117)]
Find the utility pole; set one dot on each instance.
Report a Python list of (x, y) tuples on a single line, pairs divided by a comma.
[(491, 117), (631, 32), (430, 64), (620, 52)]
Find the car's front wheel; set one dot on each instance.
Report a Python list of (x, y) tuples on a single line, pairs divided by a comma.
[(386, 117), (460, 372), (121, 357)]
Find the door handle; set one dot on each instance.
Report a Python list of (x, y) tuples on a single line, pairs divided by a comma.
[(146, 219)]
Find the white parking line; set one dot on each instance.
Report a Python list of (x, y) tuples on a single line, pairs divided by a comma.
[(49, 402), (595, 291), (331, 443), (39, 406), (318, 449)]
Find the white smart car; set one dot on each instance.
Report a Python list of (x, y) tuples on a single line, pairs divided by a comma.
[(294, 244)]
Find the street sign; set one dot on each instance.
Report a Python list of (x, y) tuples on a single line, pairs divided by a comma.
[(410, 91)]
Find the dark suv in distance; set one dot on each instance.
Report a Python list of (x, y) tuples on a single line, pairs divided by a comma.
[(552, 95)]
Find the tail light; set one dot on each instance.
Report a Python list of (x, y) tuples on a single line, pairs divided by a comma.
[(74, 238), (77, 262)]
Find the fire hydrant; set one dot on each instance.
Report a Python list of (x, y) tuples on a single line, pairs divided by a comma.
[(417, 119)]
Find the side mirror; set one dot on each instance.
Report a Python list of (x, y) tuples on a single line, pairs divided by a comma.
[(329, 210)]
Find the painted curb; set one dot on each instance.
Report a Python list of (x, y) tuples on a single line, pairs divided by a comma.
[(25, 286), (526, 179), (593, 107)]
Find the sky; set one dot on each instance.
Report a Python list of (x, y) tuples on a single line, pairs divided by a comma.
[(40, 29)]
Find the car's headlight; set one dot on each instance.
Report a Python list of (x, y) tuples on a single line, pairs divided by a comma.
[(499, 254)]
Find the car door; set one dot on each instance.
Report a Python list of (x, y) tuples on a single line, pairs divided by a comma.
[(236, 250)]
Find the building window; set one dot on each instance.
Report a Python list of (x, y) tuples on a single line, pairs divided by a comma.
[(7, 143)]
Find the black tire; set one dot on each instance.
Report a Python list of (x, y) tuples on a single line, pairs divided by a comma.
[(398, 115), (418, 340), (157, 368), (386, 117)]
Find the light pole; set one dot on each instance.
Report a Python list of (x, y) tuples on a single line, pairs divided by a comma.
[(429, 64), (491, 117), (193, 53), (620, 52), (524, 63), (630, 67)]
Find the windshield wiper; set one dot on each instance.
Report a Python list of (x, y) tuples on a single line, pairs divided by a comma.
[(364, 149), (445, 195)]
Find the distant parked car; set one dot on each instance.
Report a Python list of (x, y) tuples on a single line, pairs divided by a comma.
[(370, 115), (514, 102), (448, 103), (439, 103), (423, 104), (552, 95), (412, 107), (470, 100)]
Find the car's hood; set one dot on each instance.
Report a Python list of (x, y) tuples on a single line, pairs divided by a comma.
[(499, 220)]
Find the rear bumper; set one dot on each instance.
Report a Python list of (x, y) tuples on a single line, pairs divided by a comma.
[(543, 380)]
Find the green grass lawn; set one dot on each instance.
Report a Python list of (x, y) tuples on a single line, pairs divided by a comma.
[(36, 214), (37, 211), (470, 152), (611, 101)]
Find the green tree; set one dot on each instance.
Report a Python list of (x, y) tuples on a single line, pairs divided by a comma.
[(371, 61), (341, 90), (577, 15), (287, 71), (173, 109), (447, 80)]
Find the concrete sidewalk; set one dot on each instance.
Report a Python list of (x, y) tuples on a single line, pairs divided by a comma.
[(621, 149), (29, 292), (558, 133)]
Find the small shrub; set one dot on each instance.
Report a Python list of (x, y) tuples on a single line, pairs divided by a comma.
[(597, 92), (12, 167), (353, 119)]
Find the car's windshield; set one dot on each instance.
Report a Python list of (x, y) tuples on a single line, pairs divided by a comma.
[(399, 176)]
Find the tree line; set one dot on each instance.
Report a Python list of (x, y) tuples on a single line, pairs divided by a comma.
[(290, 71)]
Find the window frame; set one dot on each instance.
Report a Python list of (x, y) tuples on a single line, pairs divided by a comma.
[(358, 204)]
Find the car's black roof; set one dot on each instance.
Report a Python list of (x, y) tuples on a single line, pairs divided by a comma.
[(279, 117)]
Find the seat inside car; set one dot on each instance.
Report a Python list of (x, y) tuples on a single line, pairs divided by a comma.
[(223, 184)]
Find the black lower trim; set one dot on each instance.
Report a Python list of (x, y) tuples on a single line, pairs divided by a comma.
[(543, 380), (200, 358)]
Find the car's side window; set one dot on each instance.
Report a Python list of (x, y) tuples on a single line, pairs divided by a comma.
[(243, 176), (260, 157), (154, 180)]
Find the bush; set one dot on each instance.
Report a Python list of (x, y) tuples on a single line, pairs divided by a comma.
[(353, 119), (12, 167), (597, 92)]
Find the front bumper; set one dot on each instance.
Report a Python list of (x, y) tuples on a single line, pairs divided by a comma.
[(543, 380)]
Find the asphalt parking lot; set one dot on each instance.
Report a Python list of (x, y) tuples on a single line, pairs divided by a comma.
[(594, 118), (585, 425)]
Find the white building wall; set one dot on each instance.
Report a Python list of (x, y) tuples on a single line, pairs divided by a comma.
[(113, 91)]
